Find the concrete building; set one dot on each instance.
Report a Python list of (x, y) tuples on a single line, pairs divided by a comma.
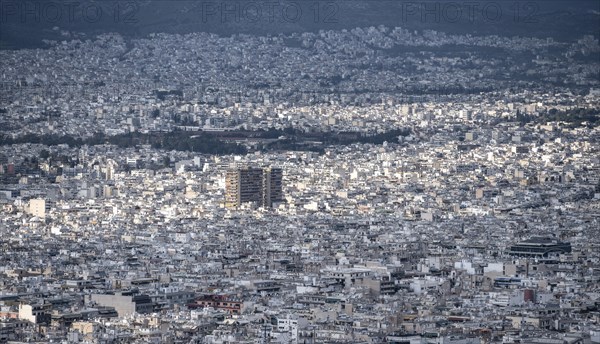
[(539, 247), (261, 186), (243, 185), (125, 304), (272, 186)]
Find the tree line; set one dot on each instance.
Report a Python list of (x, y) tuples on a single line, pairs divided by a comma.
[(575, 117), (213, 143), (176, 140)]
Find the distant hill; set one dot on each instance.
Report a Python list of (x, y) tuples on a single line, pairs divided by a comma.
[(26, 23)]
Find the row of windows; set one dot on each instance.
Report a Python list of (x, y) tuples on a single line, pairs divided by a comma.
[(223, 304)]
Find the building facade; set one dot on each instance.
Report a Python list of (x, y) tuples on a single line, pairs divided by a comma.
[(261, 186)]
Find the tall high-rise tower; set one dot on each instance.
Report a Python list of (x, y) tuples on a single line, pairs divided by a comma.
[(272, 186), (262, 186)]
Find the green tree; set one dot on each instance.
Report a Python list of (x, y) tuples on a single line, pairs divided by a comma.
[(44, 154)]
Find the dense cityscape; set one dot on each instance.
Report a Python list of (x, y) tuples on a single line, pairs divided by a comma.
[(367, 185)]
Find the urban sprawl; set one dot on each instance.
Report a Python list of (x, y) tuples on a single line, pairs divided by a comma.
[(373, 185)]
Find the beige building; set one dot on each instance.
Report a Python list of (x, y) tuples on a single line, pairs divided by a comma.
[(37, 207), (125, 304), (35, 313)]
